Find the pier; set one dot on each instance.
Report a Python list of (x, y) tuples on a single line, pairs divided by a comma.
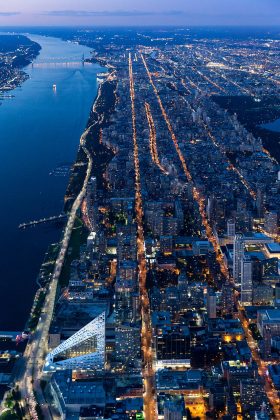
[(43, 220)]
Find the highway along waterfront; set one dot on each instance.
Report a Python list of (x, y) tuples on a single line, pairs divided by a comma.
[(40, 131)]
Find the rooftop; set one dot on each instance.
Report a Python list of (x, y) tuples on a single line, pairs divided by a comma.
[(273, 247)]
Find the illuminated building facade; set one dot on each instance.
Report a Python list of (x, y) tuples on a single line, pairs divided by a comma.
[(83, 350)]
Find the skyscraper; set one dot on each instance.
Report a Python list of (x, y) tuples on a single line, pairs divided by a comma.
[(211, 303), (91, 200), (231, 228), (238, 253), (246, 281)]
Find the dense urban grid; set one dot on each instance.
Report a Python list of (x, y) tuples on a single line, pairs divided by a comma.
[(170, 308)]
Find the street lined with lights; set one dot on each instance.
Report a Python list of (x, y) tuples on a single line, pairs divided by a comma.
[(196, 194), (148, 373), (153, 139)]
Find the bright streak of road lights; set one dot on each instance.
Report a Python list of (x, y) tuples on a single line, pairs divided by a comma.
[(150, 408), (191, 82), (36, 352), (196, 194), (32, 406), (210, 81), (153, 139), (227, 79), (271, 394), (230, 165)]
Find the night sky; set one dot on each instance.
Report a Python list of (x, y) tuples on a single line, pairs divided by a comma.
[(140, 12)]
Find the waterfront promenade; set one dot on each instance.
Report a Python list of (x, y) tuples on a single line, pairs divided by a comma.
[(30, 372)]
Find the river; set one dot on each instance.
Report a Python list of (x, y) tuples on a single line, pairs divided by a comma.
[(39, 130)]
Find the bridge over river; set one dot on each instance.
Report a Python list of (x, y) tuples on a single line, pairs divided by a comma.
[(57, 62)]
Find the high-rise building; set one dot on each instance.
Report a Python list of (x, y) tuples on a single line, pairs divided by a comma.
[(170, 226), (154, 217), (171, 299), (172, 343), (179, 214), (246, 281), (85, 350), (239, 250), (227, 299), (127, 344), (91, 200), (267, 335), (238, 253), (271, 223), (268, 321), (166, 244), (211, 209), (173, 411), (270, 268), (126, 296), (252, 394), (126, 247), (183, 292), (262, 294), (231, 228), (201, 247), (127, 269), (277, 295), (269, 318), (260, 203), (124, 306), (211, 303), (101, 242)]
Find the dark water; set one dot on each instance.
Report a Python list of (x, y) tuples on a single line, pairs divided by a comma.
[(39, 129)]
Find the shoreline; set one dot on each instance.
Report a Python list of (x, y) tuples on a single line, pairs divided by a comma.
[(18, 65), (36, 295), (91, 129), (98, 119), (44, 303), (47, 297)]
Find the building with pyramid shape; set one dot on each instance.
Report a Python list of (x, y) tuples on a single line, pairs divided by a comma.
[(85, 350)]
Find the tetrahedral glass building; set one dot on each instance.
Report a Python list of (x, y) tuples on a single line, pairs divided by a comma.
[(85, 350)]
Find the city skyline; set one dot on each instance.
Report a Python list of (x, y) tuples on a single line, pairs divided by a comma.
[(140, 176), (124, 13)]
